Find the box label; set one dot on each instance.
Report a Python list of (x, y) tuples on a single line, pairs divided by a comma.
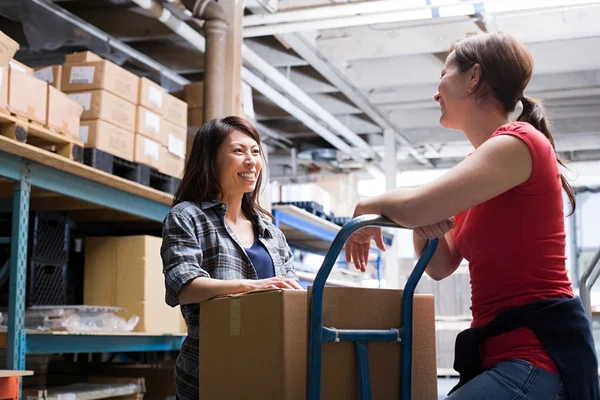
[(83, 99), (235, 317), (151, 149), (82, 74), (155, 96), (176, 146), (66, 396), (84, 133), (45, 74), (17, 67), (152, 122)]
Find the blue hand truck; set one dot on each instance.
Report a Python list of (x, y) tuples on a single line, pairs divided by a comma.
[(319, 335)]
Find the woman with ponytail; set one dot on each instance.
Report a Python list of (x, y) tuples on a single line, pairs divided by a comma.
[(501, 209)]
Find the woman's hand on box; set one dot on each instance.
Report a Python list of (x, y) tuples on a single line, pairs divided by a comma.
[(277, 282)]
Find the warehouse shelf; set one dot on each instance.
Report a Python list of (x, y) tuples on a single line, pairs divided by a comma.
[(53, 342), (32, 170)]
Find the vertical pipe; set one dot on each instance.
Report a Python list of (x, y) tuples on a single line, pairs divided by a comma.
[(18, 271), (214, 68)]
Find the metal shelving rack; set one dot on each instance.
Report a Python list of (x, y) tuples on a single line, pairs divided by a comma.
[(19, 342), (307, 232)]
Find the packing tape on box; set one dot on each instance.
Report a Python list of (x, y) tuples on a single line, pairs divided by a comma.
[(235, 317)]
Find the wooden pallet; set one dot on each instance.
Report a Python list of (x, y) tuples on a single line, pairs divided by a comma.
[(34, 134)]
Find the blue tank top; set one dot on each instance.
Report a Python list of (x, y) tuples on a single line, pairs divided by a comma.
[(260, 258)]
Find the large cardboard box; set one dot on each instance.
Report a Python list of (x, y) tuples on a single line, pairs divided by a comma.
[(82, 56), (27, 96), (194, 94), (52, 75), (100, 104), (175, 110), (126, 271), (176, 137), (172, 164), (8, 48), (149, 124), (107, 137), (151, 95), (261, 339), (147, 152), (105, 75), (64, 113)]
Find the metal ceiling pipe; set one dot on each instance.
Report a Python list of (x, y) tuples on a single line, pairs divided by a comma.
[(215, 30)]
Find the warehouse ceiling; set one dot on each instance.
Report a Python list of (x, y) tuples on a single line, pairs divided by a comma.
[(371, 71)]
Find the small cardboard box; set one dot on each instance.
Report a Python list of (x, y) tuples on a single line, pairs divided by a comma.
[(27, 96), (126, 271), (64, 113), (196, 117), (194, 94), (151, 95), (176, 137), (175, 110), (261, 339), (52, 75), (172, 164), (82, 56), (149, 124), (105, 75), (107, 137), (147, 152), (100, 104), (8, 48)]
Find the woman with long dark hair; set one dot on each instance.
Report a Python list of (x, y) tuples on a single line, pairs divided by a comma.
[(217, 239), (502, 210)]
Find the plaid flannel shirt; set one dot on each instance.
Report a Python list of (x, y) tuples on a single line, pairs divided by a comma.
[(198, 243)]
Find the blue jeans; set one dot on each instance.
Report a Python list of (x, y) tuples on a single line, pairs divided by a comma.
[(512, 380)]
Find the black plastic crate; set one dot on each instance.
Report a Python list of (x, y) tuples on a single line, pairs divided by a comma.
[(50, 235), (47, 284), (162, 182)]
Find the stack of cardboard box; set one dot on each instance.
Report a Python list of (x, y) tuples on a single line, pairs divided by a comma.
[(173, 149), (108, 94)]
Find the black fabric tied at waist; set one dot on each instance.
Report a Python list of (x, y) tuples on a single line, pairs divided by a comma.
[(562, 328)]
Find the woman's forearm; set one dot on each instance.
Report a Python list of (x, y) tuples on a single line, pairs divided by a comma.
[(201, 289)]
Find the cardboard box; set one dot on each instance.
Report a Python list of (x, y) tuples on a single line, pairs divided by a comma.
[(52, 75), (126, 271), (175, 110), (107, 137), (8, 48), (175, 138), (63, 113), (261, 339), (100, 104), (4, 87), (196, 117), (14, 64), (82, 56), (149, 124), (105, 75), (151, 95), (27, 96), (147, 152), (194, 94), (172, 164), (158, 379)]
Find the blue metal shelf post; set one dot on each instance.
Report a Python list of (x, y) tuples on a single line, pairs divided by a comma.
[(319, 334), (18, 271)]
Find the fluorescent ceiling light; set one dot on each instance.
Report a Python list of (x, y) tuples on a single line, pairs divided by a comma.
[(457, 10)]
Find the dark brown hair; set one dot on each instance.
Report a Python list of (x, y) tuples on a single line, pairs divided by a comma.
[(200, 180), (506, 66)]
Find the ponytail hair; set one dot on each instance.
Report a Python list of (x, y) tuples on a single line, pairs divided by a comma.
[(534, 113)]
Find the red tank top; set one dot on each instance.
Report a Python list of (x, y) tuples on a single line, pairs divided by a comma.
[(515, 245)]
